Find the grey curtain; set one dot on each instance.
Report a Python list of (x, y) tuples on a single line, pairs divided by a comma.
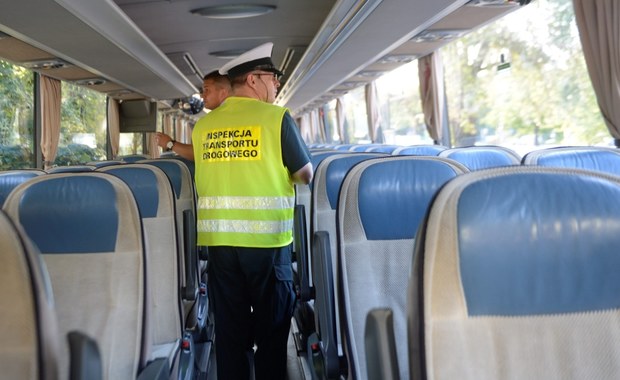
[(373, 112), (430, 72), (599, 29)]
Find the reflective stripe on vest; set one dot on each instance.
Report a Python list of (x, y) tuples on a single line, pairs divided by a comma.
[(245, 203)]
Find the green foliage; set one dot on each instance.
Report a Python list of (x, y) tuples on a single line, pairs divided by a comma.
[(545, 97), (15, 157), (77, 154)]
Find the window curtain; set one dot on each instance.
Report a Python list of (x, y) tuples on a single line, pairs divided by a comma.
[(189, 126), (180, 126), (327, 124), (153, 147), (306, 128), (168, 120), (318, 130), (373, 113), (114, 133), (342, 121), (598, 22), (430, 72), (50, 119)]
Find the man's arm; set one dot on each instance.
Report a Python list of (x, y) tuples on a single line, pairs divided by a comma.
[(295, 154), (184, 150), (303, 175)]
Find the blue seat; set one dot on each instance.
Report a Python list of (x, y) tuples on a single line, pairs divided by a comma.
[(302, 202), (517, 269), (87, 227), (419, 150), (103, 163), (133, 158), (155, 199), (383, 149), (71, 169), (605, 160), (361, 147), (9, 179), (29, 336), (382, 203), (482, 157), (194, 293)]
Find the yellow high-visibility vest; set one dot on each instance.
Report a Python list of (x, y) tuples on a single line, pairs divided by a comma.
[(245, 194)]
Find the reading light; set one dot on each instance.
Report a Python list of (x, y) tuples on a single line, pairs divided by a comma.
[(234, 11), (90, 82), (46, 64)]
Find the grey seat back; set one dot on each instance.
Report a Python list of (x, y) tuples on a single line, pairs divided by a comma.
[(29, 336), (605, 160), (88, 229), (155, 199), (482, 157), (517, 269), (382, 202)]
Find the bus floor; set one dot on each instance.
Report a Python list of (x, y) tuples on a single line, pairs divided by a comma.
[(297, 366)]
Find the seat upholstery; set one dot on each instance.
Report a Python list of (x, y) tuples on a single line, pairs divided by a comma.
[(185, 203), (71, 169), (419, 150), (482, 157), (155, 199), (303, 197), (9, 179), (29, 336), (606, 160), (518, 271), (381, 204), (87, 226)]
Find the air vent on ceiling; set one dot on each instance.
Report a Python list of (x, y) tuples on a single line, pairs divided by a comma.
[(228, 54), (185, 63), (437, 35), (398, 58)]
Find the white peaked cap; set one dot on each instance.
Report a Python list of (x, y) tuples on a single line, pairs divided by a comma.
[(258, 58)]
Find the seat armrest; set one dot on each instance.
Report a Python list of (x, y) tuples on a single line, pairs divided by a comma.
[(381, 359), (85, 357)]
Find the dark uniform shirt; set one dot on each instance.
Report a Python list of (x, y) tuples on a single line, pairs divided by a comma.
[(295, 153)]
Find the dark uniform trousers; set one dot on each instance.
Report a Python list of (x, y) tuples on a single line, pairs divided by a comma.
[(252, 294)]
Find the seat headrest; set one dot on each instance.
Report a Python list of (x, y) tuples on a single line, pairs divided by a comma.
[(539, 242), (81, 214), (399, 189)]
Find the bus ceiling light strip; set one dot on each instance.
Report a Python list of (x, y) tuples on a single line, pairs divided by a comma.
[(234, 11), (338, 26)]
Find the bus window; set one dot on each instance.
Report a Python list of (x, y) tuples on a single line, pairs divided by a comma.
[(16, 117), (401, 108), (522, 82), (82, 126), (355, 106)]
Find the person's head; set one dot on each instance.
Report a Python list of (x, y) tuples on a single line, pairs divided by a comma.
[(253, 74), (215, 88)]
